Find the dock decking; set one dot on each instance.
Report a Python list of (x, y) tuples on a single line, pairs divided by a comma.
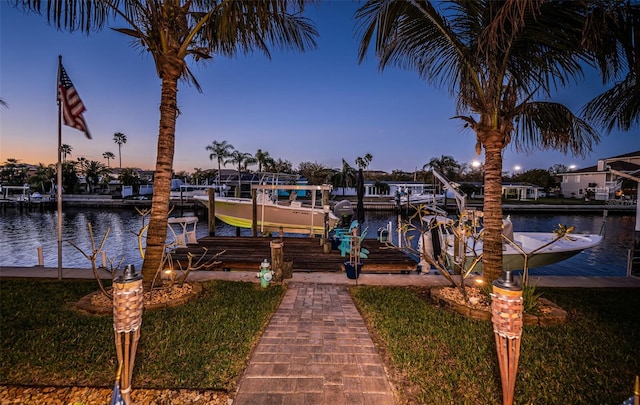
[(246, 253)]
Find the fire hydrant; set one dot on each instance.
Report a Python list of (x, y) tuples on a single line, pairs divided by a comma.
[(266, 274)]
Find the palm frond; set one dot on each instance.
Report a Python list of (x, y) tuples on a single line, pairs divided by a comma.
[(547, 125), (618, 107)]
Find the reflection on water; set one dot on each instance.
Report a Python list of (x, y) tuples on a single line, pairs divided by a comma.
[(22, 233)]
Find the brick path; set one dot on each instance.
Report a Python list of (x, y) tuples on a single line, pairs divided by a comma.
[(315, 350)]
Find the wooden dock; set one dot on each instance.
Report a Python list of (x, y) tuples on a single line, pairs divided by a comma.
[(246, 253)]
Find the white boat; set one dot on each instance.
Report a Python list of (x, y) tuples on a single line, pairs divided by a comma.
[(540, 248), (422, 198), (273, 215)]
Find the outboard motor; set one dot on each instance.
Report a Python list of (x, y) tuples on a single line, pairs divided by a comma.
[(343, 210)]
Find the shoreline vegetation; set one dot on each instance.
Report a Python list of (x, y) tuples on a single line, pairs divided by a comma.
[(433, 355)]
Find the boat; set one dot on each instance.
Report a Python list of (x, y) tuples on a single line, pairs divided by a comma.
[(539, 248), (519, 249), (273, 214), (422, 198)]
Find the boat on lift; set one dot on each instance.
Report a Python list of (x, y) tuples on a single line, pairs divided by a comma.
[(457, 249), (272, 214)]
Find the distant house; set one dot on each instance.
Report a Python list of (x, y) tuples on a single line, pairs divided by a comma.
[(522, 191), (597, 182)]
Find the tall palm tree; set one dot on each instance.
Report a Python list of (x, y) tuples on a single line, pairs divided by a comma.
[(220, 151), (120, 139), (171, 31), (497, 58), (65, 150), (242, 161), (108, 156)]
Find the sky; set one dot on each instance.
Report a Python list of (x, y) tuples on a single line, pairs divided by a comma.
[(318, 106)]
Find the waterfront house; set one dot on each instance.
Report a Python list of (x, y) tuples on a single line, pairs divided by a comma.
[(598, 182)]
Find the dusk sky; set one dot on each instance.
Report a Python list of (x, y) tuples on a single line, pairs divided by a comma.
[(317, 106)]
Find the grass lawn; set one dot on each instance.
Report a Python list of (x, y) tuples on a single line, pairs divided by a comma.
[(439, 357), (434, 356), (203, 344)]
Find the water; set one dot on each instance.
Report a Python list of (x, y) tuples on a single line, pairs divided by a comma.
[(22, 233)]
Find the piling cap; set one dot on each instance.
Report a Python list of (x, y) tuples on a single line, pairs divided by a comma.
[(129, 274), (506, 282)]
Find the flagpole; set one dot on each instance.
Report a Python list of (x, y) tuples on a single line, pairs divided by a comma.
[(59, 171)]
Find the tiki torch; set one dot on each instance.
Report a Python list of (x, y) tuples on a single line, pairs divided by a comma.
[(506, 315), (127, 317)]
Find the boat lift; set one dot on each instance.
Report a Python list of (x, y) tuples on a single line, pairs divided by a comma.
[(633, 261)]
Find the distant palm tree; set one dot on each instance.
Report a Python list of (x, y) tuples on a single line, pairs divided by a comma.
[(120, 139), (108, 156), (220, 151), (44, 175), (93, 172), (3, 103), (497, 58), (65, 150), (263, 159), (344, 178), (171, 31), (363, 162), (241, 160)]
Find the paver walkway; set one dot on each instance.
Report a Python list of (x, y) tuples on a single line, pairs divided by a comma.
[(315, 350)]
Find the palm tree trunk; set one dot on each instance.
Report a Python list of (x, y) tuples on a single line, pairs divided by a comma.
[(492, 247), (157, 232)]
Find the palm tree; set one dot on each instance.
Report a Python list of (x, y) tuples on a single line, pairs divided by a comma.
[(220, 151), (44, 175), (497, 58), (65, 150), (170, 31), (109, 156), (241, 160), (3, 103), (93, 172), (616, 49), (363, 162), (263, 159), (344, 178), (120, 139)]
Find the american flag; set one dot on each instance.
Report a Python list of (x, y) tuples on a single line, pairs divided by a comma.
[(72, 107)]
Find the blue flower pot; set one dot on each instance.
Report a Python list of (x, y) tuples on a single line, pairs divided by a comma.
[(353, 271)]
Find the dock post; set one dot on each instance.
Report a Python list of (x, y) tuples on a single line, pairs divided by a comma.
[(277, 259), (212, 212), (325, 208), (254, 213), (40, 256)]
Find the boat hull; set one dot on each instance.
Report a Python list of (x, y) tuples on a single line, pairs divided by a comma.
[(295, 218), (529, 242)]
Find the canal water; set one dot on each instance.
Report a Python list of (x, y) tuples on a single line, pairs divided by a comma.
[(22, 233)]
